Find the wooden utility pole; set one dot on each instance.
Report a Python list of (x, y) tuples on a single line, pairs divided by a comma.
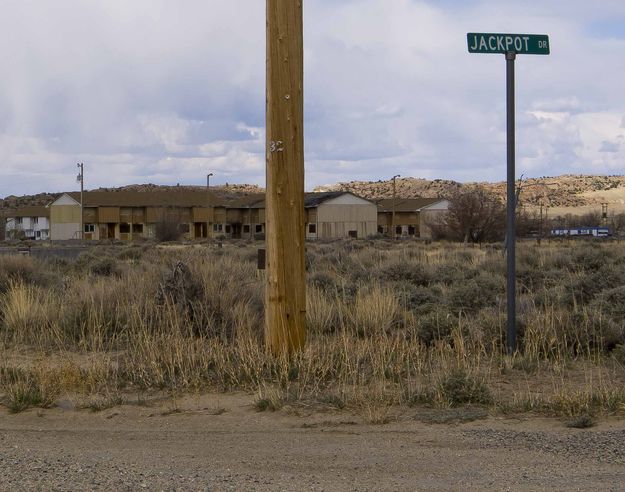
[(285, 313)]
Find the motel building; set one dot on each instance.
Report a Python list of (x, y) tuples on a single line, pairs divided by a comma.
[(29, 223), (125, 216), (413, 216)]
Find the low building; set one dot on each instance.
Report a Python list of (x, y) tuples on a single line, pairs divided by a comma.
[(329, 215), (123, 215), (243, 217), (127, 215), (339, 214), (582, 232), (412, 216), (28, 223)]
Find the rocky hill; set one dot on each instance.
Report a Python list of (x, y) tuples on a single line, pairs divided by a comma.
[(225, 192), (561, 191), (12, 202), (228, 191)]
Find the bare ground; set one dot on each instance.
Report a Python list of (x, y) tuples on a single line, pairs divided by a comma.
[(221, 443)]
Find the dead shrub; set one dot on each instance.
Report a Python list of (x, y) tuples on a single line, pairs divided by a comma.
[(459, 388), (374, 311), (20, 268)]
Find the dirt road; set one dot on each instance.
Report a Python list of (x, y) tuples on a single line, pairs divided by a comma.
[(222, 443)]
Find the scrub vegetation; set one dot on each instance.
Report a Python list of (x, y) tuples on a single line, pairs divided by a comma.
[(391, 324)]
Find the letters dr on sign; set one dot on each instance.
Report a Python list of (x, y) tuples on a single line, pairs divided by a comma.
[(521, 44)]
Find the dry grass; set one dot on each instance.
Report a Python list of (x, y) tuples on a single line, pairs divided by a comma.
[(390, 324)]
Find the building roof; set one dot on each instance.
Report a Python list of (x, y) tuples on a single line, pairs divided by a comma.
[(30, 211), (153, 198), (311, 200), (188, 198), (405, 204), (251, 200)]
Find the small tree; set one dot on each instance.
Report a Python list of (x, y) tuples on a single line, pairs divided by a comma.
[(528, 223), (476, 215), (167, 230), (168, 227), (618, 224)]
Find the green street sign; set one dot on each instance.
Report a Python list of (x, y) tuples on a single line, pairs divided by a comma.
[(521, 44)]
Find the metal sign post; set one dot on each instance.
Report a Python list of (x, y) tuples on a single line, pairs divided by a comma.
[(511, 205), (510, 45)]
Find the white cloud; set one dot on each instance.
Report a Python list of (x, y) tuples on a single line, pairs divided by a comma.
[(153, 90)]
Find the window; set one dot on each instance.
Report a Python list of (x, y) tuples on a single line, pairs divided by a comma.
[(124, 228), (18, 221), (380, 230), (227, 229), (399, 230), (218, 227), (35, 220), (246, 229), (184, 228), (353, 234), (137, 228), (259, 228), (38, 234), (90, 228), (312, 228)]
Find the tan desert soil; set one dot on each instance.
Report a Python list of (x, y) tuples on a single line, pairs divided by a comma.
[(222, 443)]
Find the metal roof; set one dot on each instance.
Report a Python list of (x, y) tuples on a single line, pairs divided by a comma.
[(311, 200), (405, 204), (30, 211), (252, 200), (157, 198), (189, 199)]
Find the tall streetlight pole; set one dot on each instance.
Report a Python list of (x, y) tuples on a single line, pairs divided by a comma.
[(393, 234), (81, 179), (285, 313), (208, 201)]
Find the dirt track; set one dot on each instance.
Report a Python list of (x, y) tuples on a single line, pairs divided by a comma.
[(221, 443)]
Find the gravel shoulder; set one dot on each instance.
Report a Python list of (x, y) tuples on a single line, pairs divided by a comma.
[(222, 443)]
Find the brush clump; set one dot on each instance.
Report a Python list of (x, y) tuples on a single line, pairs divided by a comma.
[(390, 323)]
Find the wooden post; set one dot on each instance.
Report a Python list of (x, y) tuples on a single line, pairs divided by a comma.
[(285, 318)]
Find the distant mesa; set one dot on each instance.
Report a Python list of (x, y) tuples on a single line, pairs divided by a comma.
[(562, 191)]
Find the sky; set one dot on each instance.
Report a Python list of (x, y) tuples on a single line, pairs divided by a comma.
[(157, 91)]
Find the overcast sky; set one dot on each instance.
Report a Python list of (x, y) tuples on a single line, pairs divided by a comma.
[(165, 91)]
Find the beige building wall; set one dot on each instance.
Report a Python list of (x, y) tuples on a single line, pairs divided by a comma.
[(108, 215), (346, 216), (64, 219), (432, 214), (63, 231), (65, 214)]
